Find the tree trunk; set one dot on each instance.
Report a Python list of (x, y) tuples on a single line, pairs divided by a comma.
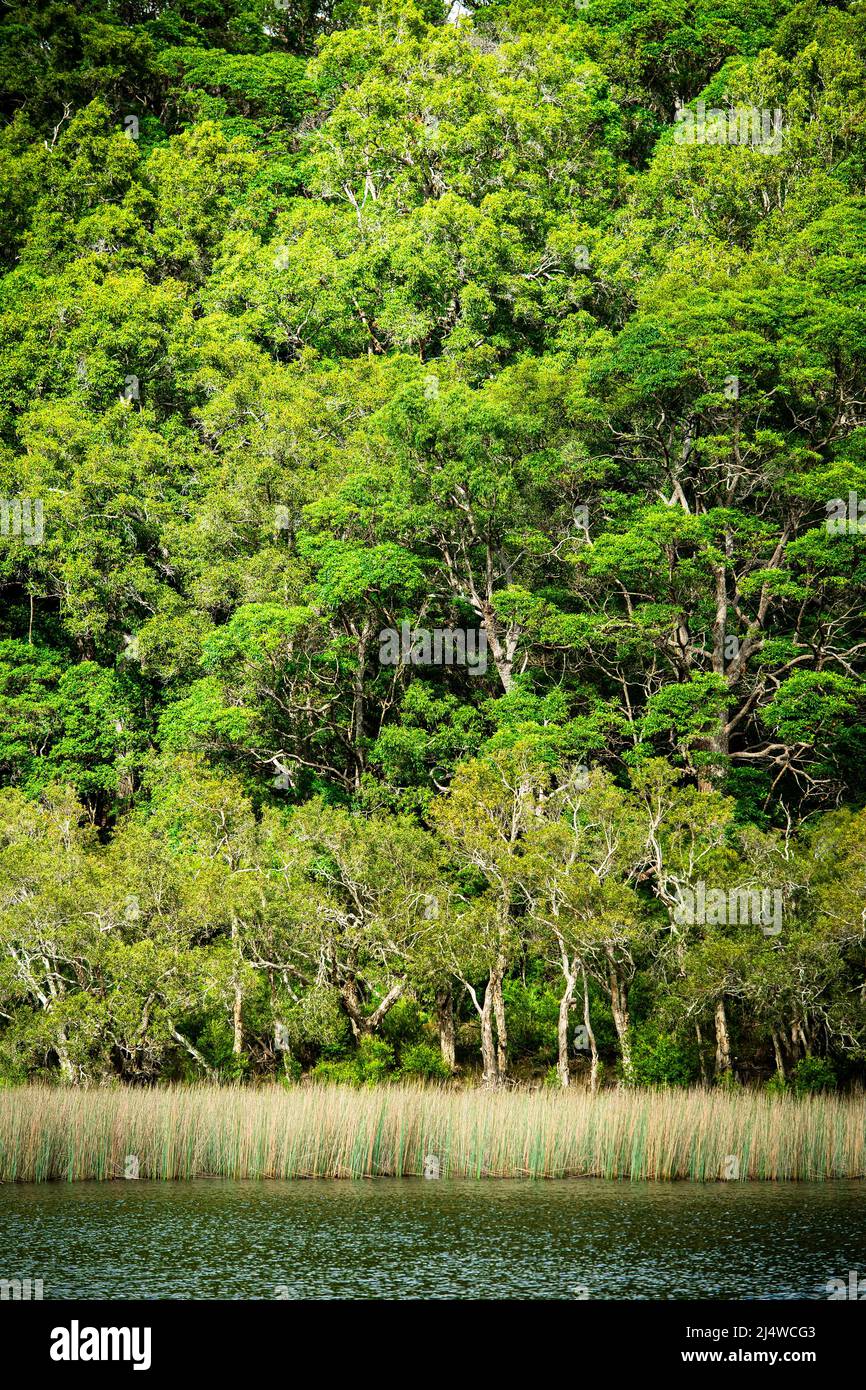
[(710, 774), (62, 1050), (723, 1040), (192, 1050), (562, 1028), (780, 1061), (622, 1023), (502, 644), (489, 1060), (445, 1024), (61, 1047), (237, 1017), (593, 1050), (237, 1023), (499, 1014), (365, 1024), (362, 638), (492, 1073), (700, 1038)]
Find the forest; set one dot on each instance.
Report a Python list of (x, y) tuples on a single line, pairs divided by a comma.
[(433, 542)]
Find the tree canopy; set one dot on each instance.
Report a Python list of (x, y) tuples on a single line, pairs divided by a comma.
[(323, 322)]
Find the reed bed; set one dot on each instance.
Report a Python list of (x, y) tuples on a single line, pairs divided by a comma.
[(71, 1135)]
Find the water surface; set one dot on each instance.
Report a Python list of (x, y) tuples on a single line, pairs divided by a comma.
[(410, 1239)]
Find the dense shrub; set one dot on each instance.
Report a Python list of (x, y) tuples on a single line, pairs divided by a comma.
[(423, 1061), (372, 1062), (659, 1059), (813, 1074)]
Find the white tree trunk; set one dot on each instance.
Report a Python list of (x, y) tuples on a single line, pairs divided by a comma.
[(723, 1039)]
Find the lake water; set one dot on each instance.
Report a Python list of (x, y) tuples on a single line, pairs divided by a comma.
[(415, 1239)]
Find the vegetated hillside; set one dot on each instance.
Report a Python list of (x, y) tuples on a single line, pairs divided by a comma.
[(433, 554)]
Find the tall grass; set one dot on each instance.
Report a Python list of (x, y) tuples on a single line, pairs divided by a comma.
[(336, 1132)]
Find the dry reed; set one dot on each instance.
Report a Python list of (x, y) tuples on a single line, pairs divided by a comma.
[(335, 1132)]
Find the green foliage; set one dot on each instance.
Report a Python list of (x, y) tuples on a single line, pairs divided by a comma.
[(326, 323), (423, 1062), (813, 1074), (372, 1062), (404, 1025), (532, 1010), (662, 1060)]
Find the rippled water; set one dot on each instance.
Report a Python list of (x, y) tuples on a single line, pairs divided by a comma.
[(416, 1239)]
